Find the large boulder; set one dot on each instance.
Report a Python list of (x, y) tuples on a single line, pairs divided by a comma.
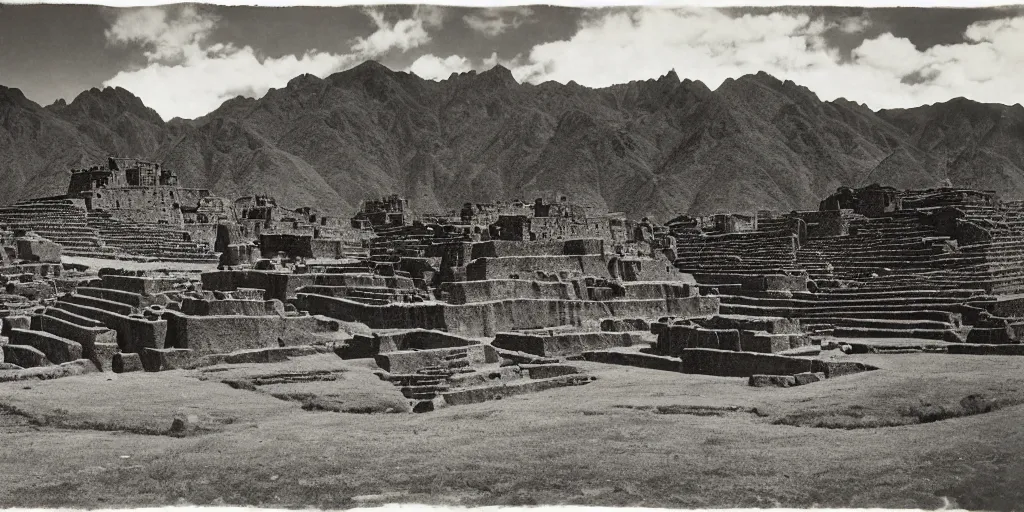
[(24, 356), (37, 249), (779, 381)]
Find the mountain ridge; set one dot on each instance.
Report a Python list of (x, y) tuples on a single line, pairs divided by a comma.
[(656, 147)]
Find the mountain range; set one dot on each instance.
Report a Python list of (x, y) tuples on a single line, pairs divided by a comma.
[(654, 148)]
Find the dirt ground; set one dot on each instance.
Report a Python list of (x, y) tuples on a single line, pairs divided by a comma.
[(897, 437), (98, 263)]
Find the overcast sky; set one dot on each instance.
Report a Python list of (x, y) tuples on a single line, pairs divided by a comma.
[(185, 60)]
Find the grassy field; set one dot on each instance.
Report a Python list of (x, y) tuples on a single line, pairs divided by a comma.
[(898, 437)]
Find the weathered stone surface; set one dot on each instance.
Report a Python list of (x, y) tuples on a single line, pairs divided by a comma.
[(87, 337), (14, 322), (833, 369), (676, 338), (68, 316), (268, 355), (625, 324), (142, 285), (764, 342), (496, 289), (57, 350), (38, 250), (412, 361), (489, 318), (162, 359), (483, 394), (100, 303), (779, 381), (808, 350), (103, 355), (547, 371), (509, 248), (772, 325), (71, 368), (563, 344), (126, 362), (228, 307), (24, 356), (517, 357), (134, 300), (256, 356), (133, 334), (638, 359), (987, 350), (239, 254), (223, 334), (809, 378), (741, 364)]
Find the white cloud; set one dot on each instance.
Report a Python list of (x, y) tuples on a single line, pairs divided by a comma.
[(195, 89), (163, 39), (187, 77), (708, 45), (854, 24), (492, 22), (521, 70), (433, 16), (895, 55), (403, 34), (433, 67)]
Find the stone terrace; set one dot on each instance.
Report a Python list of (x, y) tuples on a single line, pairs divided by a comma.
[(96, 234), (63, 221), (931, 270)]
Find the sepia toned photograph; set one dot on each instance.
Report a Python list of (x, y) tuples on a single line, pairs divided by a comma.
[(674, 256)]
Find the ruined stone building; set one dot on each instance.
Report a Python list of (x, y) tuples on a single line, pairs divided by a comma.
[(387, 211), (139, 191), (559, 221)]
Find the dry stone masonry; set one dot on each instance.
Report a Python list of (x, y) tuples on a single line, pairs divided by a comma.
[(501, 299)]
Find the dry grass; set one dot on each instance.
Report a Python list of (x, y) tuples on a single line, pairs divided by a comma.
[(633, 437)]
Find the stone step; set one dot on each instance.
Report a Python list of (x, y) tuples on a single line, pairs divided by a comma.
[(56, 349), (497, 392), (98, 303), (879, 323), (868, 332)]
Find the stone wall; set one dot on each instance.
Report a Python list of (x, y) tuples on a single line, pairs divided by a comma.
[(527, 266), (142, 285), (283, 286), (564, 344), (221, 307), (825, 223), (504, 248), (202, 233), (133, 334), (497, 289), (221, 334), (488, 318), (147, 204)]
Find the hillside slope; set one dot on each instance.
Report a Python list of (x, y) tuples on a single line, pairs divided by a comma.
[(655, 147)]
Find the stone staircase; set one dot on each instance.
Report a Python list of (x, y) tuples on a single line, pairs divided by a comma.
[(894, 276), (99, 235), (61, 220), (149, 241), (414, 241)]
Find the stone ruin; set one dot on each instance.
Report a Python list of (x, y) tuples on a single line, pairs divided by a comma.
[(455, 312), (131, 209)]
